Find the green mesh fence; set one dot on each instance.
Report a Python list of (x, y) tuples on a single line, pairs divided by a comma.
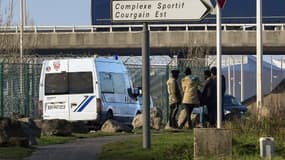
[(20, 95), (19, 89), (159, 75), (158, 78)]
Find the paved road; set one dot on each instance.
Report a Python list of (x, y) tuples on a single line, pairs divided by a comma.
[(81, 149)]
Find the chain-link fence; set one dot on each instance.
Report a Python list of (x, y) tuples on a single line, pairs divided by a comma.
[(159, 74), (19, 89), (158, 78), (20, 95)]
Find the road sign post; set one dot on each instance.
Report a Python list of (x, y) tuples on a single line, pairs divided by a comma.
[(219, 52), (220, 4), (145, 75)]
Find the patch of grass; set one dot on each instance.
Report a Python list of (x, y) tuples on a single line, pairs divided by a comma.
[(167, 146), (15, 152), (96, 134), (46, 140), (245, 145)]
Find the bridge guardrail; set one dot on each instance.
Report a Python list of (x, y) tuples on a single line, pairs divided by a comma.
[(135, 28)]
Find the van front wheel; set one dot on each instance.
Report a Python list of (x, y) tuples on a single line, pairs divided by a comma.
[(109, 115)]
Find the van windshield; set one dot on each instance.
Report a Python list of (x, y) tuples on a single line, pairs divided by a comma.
[(68, 83)]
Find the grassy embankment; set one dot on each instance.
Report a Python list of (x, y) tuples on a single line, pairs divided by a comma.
[(179, 146), (170, 146), (176, 146), (164, 146)]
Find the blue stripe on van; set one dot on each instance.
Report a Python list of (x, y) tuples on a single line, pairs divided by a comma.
[(85, 103), (80, 103)]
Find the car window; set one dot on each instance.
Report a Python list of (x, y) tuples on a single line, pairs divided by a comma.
[(231, 101)]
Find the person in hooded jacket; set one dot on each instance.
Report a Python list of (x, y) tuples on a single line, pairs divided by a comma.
[(190, 84)]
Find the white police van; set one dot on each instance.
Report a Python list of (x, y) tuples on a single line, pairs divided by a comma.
[(87, 89)]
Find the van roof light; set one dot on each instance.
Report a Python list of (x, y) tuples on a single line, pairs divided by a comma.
[(116, 57)]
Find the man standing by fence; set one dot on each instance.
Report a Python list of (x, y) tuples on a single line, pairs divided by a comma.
[(174, 97)]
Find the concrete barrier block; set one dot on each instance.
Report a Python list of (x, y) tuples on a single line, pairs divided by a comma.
[(212, 143)]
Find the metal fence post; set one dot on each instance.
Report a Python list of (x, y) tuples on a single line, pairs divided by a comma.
[(26, 90), (166, 93), (20, 89), (1, 90), (33, 90)]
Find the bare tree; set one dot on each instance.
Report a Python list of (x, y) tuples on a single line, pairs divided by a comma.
[(10, 37), (191, 52), (192, 56)]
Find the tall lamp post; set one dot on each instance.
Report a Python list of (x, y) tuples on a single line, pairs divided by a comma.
[(22, 24), (259, 53), (21, 28)]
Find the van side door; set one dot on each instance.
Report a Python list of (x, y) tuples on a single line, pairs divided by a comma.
[(113, 88)]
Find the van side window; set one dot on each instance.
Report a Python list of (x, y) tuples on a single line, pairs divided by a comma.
[(68, 83), (106, 82), (112, 83), (119, 88)]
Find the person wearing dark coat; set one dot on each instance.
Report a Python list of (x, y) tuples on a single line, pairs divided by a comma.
[(214, 73), (209, 95)]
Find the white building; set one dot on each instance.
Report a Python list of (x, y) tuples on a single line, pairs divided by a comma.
[(231, 69)]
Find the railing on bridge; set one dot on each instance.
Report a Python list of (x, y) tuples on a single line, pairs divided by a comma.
[(134, 28)]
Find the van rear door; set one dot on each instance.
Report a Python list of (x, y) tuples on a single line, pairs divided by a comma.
[(56, 90), (82, 98)]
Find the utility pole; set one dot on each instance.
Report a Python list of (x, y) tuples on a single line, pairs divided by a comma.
[(241, 80), (24, 13), (145, 78), (234, 77), (229, 76), (22, 24), (271, 74), (259, 53), (22, 19), (219, 80)]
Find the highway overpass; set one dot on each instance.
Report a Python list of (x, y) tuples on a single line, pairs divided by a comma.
[(164, 38)]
